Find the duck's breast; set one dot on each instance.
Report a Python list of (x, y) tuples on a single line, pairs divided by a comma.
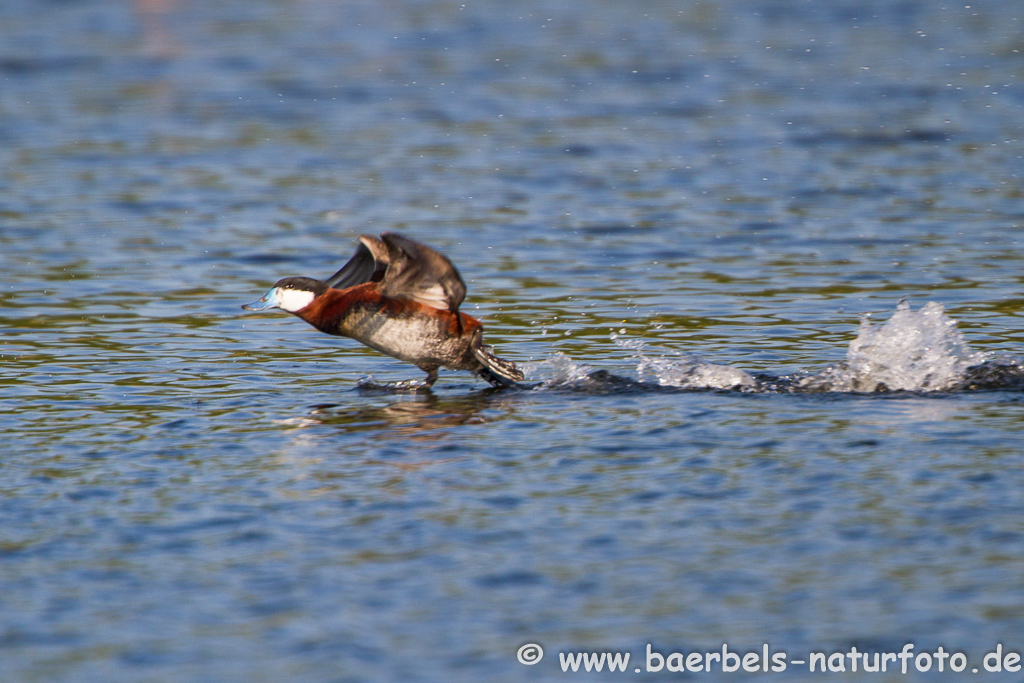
[(404, 329)]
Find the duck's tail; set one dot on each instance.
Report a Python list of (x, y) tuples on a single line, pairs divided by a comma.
[(496, 371)]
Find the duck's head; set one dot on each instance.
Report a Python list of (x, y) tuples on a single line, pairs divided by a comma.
[(291, 294)]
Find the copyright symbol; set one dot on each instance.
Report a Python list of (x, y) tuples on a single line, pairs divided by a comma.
[(530, 654)]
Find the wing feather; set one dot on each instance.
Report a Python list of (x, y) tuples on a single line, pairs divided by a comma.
[(368, 264), (419, 273)]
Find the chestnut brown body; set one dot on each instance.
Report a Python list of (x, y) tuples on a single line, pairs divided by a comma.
[(401, 328)]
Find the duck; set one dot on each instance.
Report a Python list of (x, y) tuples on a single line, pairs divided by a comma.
[(399, 297)]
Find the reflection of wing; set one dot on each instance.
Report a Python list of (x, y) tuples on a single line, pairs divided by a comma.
[(366, 265), (417, 272)]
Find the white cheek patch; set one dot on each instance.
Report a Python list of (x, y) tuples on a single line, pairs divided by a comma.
[(293, 300)]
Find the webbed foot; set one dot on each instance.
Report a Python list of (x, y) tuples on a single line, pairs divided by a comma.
[(408, 385), (412, 385)]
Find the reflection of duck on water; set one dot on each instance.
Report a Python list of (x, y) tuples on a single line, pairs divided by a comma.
[(420, 416), (401, 298)]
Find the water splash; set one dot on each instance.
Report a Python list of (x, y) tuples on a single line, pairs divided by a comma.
[(913, 351), (684, 370), (918, 351), (557, 370)]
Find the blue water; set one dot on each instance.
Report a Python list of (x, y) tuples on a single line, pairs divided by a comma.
[(192, 493)]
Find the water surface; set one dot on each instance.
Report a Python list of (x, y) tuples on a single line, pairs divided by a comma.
[(192, 493)]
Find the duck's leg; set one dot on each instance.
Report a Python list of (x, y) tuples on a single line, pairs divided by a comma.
[(431, 377)]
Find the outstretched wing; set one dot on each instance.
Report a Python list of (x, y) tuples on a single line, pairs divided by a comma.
[(417, 272), (368, 264)]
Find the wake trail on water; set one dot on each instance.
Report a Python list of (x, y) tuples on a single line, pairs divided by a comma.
[(914, 351)]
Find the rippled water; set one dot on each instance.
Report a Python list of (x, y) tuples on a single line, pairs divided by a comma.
[(634, 193)]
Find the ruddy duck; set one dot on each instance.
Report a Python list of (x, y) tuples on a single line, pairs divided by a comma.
[(401, 298)]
